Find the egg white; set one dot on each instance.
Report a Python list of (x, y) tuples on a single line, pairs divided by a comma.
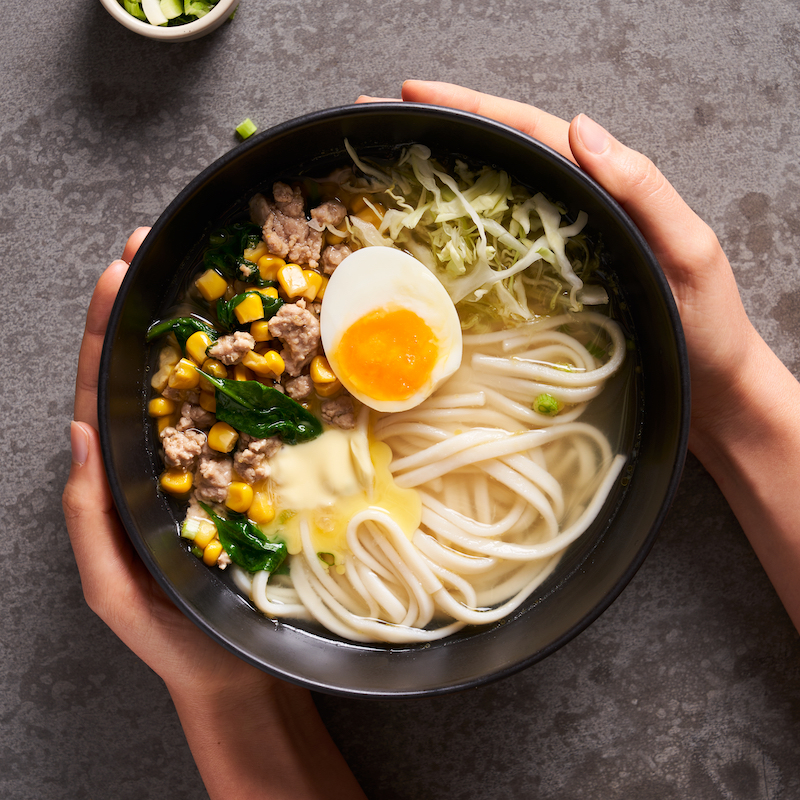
[(382, 277)]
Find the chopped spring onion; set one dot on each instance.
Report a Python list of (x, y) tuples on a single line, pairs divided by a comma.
[(198, 8), (546, 404), (191, 527), (134, 8), (152, 10), (168, 12), (246, 129), (171, 8)]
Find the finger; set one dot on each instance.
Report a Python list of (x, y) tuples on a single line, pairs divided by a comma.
[(105, 557), (365, 98), (92, 345), (648, 197), (549, 129), (96, 323), (120, 590), (134, 243)]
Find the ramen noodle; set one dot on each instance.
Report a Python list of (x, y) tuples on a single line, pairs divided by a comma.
[(379, 397)]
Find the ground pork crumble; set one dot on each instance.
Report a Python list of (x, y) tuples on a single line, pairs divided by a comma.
[(298, 237)]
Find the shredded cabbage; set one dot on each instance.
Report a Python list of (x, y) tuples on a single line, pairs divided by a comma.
[(496, 249)]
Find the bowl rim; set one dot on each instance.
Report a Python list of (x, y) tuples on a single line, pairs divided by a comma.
[(175, 33), (681, 445)]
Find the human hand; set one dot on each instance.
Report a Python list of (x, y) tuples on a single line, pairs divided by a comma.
[(714, 320), (227, 708), (116, 584)]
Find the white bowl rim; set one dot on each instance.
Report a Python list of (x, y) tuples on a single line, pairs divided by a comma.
[(220, 12)]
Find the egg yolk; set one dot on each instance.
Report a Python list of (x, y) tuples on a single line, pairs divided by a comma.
[(388, 354), (328, 516)]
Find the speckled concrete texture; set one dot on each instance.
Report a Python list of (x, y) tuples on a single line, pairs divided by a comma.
[(689, 686)]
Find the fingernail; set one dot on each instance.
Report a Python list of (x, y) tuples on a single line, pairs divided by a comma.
[(79, 441), (594, 137)]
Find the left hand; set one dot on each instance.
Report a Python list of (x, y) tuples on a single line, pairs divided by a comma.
[(116, 584)]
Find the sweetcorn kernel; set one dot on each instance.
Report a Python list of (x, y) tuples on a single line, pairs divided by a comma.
[(170, 354), (268, 267), (206, 533), (184, 375), (176, 481), (240, 496), (323, 285), (259, 330), (222, 437), (313, 282), (275, 362), (196, 346), (261, 510), (250, 309), (332, 238), (254, 361), (212, 552), (215, 368), (167, 422), (208, 401), (211, 285), (327, 389), (292, 280), (357, 203), (168, 357), (320, 370), (372, 215), (268, 364), (161, 407), (242, 373), (160, 378), (254, 253)]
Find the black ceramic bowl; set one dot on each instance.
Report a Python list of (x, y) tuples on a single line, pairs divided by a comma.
[(592, 572)]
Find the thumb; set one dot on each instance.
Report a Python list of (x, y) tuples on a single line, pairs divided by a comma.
[(102, 551), (647, 196), (87, 493), (714, 320)]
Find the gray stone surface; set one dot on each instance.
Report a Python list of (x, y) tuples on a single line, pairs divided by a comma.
[(689, 686)]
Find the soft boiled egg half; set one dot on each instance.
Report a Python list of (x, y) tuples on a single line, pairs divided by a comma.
[(390, 330)]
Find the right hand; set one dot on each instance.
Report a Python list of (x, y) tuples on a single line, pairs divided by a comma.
[(720, 339)]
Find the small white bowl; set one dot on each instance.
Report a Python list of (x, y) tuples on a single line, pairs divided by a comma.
[(176, 33)]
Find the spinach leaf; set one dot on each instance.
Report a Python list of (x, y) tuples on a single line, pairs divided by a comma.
[(245, 543), (262, 411), (225, 308), (226, 250), (246, 270), (183, 327)]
